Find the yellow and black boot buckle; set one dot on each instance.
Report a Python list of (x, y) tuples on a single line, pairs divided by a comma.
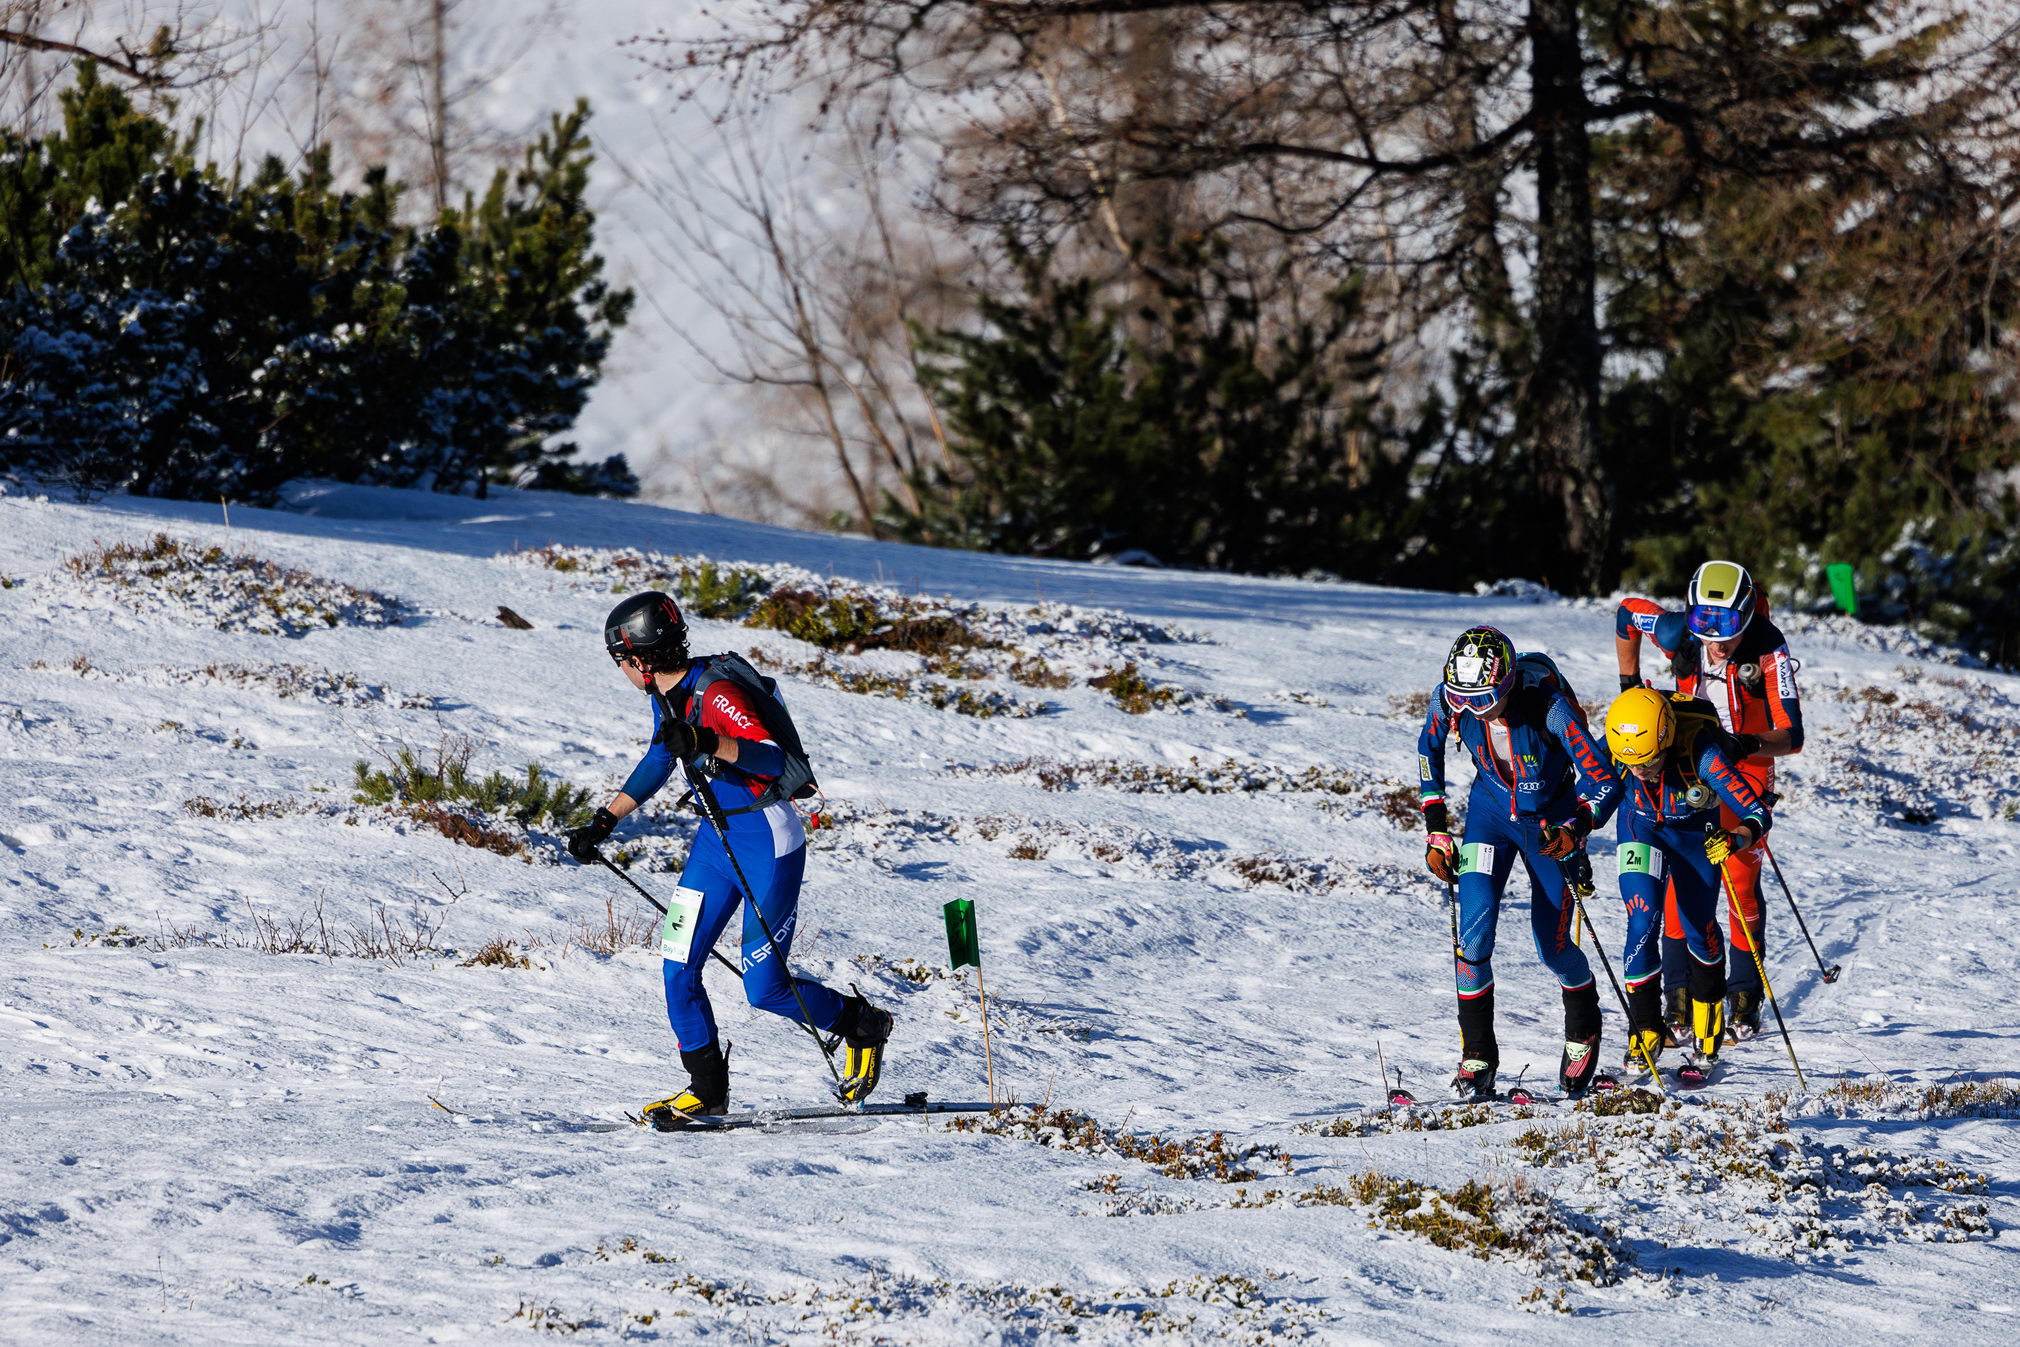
[(685, 1109), (1707, 1024), (1644, 1048)]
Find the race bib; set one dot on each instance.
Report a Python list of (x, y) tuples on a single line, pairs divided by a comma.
[(1639, 858), (1476, 858), (676, 933)]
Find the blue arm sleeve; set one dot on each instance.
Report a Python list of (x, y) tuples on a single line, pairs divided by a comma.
[(654, 768), (758, 759), (1598, 785), (1431, 749), (1670, 632)]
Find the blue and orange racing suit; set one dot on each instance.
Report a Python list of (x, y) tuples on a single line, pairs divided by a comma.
[(1753, 692)]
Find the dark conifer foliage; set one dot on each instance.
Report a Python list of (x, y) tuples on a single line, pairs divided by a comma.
[(170, 329)]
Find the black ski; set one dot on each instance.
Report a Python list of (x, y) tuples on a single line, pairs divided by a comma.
[(768, 1117), (1518, 1095)]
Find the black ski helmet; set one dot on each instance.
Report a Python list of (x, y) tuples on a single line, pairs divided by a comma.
[(649, 626)]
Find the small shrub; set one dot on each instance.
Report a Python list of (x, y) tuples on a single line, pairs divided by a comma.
[(614, 933), (497, 952), (1413, 706), (1133, 692), (721, 593), (1033, 672), (229, 592), (407, 780), (1201, 1157), (242, 809), (1402, 805)]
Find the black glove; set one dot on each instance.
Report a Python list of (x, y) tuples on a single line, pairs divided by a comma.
[(1561, 839), (1629, 682), (1437, 818), (684, 740), (582, 842), (1745, 746)]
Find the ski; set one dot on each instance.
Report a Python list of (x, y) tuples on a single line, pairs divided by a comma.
[(1697, 1075), (768, 1117), (1517, 1095)]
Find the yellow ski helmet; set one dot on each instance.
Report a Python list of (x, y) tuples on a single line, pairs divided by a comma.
[(1639, 726)]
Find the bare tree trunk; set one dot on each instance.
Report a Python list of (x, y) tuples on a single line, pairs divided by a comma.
[(1565, 388), (438, 101)]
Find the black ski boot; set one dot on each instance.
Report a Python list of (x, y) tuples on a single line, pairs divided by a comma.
[(1579, 1064), (1707, 1023), (1479, 1054), (1742, 1013), (1676, 1016), (1646, 1037), (706, 1095), (865, 1029)]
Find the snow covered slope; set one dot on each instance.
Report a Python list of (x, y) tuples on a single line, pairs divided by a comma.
[(1196, 920)]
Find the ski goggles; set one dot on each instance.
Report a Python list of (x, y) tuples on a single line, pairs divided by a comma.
[(1479, 703), (1709, 622)]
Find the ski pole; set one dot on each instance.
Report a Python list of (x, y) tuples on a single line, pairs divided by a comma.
[(612, 866), (1830, 974), (1754, 949), (1578, 889), (706, 803)]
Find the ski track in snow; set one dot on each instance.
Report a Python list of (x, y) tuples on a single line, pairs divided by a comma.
[(219, 1145)]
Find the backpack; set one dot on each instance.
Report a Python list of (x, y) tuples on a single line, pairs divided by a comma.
[(1695, 717), (1540, 674), (796, 779)]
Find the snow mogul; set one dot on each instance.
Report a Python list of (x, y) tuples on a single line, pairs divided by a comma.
[(721, 723), (1722, 647), (1538, 780), (1682, 782)]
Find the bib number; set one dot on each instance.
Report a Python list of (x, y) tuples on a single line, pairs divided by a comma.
[(676, 932), (1639, 858), (1476, 858)]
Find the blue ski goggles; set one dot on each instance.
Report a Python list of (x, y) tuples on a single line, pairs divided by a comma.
[(1710, 623), (1479, 703)]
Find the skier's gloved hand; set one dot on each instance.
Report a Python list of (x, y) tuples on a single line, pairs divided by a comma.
[(1745, 745), (1719, 844), (1629, 682), (583, 841), (684, 740), (1561, 839), (1441, 857)]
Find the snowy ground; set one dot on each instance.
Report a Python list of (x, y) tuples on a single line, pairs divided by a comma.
[(206, 1142)]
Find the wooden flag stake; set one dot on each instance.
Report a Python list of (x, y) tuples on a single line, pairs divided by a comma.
[(964, 946)]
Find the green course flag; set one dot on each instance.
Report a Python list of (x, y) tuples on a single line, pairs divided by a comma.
[(962, 945), (1844, 586)]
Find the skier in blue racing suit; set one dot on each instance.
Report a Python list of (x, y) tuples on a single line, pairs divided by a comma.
[(1680, 769), (1538, 781)]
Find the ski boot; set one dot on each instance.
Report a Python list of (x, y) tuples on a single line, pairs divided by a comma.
[(1742, 1009), (1707, 1022), (1644, 1050), (1579, 1064), (1676, 1017), (865, 1029), (706, 1095), (1647, 1036), (1475, 1080)]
